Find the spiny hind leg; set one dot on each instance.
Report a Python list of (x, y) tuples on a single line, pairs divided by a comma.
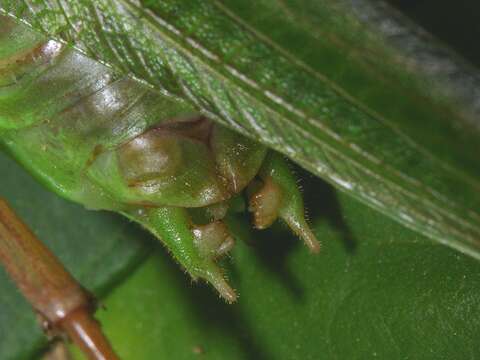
[(195, 247), (278, 196)]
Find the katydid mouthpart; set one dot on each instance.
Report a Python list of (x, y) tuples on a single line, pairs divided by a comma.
[(112, 143)]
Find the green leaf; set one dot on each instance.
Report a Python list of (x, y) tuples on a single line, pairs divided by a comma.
[(98, 248), (349, 90), (378, 290)]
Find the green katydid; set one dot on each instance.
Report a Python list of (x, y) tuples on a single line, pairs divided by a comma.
[(110, 143)]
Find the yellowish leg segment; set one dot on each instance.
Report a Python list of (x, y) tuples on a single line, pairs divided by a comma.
[(265, 203), (213, 240)]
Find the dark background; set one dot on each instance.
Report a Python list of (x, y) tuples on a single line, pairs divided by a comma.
[(456, 23)]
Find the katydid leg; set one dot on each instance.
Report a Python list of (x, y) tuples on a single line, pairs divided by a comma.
[(181, 237), (280, 196)]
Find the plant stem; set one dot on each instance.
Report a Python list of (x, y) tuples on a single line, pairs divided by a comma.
[(56, 296)]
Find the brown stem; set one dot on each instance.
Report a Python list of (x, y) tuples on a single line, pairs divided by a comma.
[(85, 331), (49, 287)]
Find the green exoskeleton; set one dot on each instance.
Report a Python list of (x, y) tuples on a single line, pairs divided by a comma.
[(110, 143)]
